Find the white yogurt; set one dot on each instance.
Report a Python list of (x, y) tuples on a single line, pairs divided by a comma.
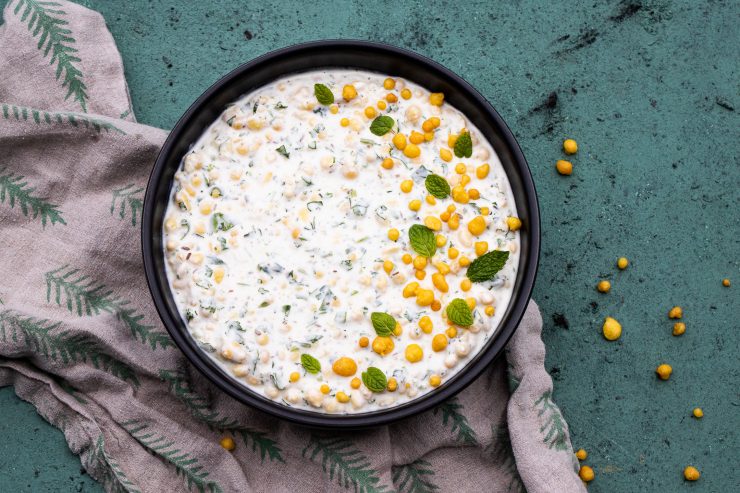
[(277, 240)]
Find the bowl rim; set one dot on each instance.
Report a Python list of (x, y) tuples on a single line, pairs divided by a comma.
[(489, 353)]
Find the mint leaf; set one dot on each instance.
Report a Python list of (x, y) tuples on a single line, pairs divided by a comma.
[(310, 363), (464, 145), (323, 94), (283, 151), (220, 223), (383, 323), (437, 186), (485, 267), (458, 312), (422, 240), (382, 125), (374, 379)]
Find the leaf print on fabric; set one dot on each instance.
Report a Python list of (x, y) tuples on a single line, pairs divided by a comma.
[(14, 189), (184, 463), (41, 336), (554, 427), (41, 117), (410, 478), (85, 296), (113, 477), (452, 412), (344, 463), (500, 451), (46, 21), (200, 409), (128, 195)]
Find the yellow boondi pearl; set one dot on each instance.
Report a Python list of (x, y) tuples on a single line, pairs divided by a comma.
[(664, 371), (349, 92), (675, 312), (228, 443), (586, 474), (570, 146), (436, 98), (691, 473), (514, 223), (679, 328), (612, 329), (564, 167), (345, 367), (414, 353), (439, 342)]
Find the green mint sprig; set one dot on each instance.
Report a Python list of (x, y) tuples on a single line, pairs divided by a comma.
[(437, 186), (374, 379), (383, 323), (459, 313), (310, 364), (382, 125), (422, 240), (485, 267), (464, 145), (323, 94)]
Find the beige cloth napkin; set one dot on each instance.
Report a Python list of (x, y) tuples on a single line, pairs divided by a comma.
[(81, 341)]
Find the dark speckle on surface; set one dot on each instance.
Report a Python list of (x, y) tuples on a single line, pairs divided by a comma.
[(723, 103), (550, 103), (585, 38), (560, 321), (627, 10)]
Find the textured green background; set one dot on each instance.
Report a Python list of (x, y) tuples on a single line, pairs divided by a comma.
[(650, 91)]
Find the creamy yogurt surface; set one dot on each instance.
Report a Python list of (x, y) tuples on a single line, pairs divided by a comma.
[(341, 241)]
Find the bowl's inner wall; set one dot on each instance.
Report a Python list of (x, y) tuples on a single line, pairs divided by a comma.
[(207, 109)]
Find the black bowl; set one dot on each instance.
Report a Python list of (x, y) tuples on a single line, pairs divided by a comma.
[(338, 54)]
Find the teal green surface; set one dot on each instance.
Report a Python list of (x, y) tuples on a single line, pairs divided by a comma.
[(35, 457), (649, 89)]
